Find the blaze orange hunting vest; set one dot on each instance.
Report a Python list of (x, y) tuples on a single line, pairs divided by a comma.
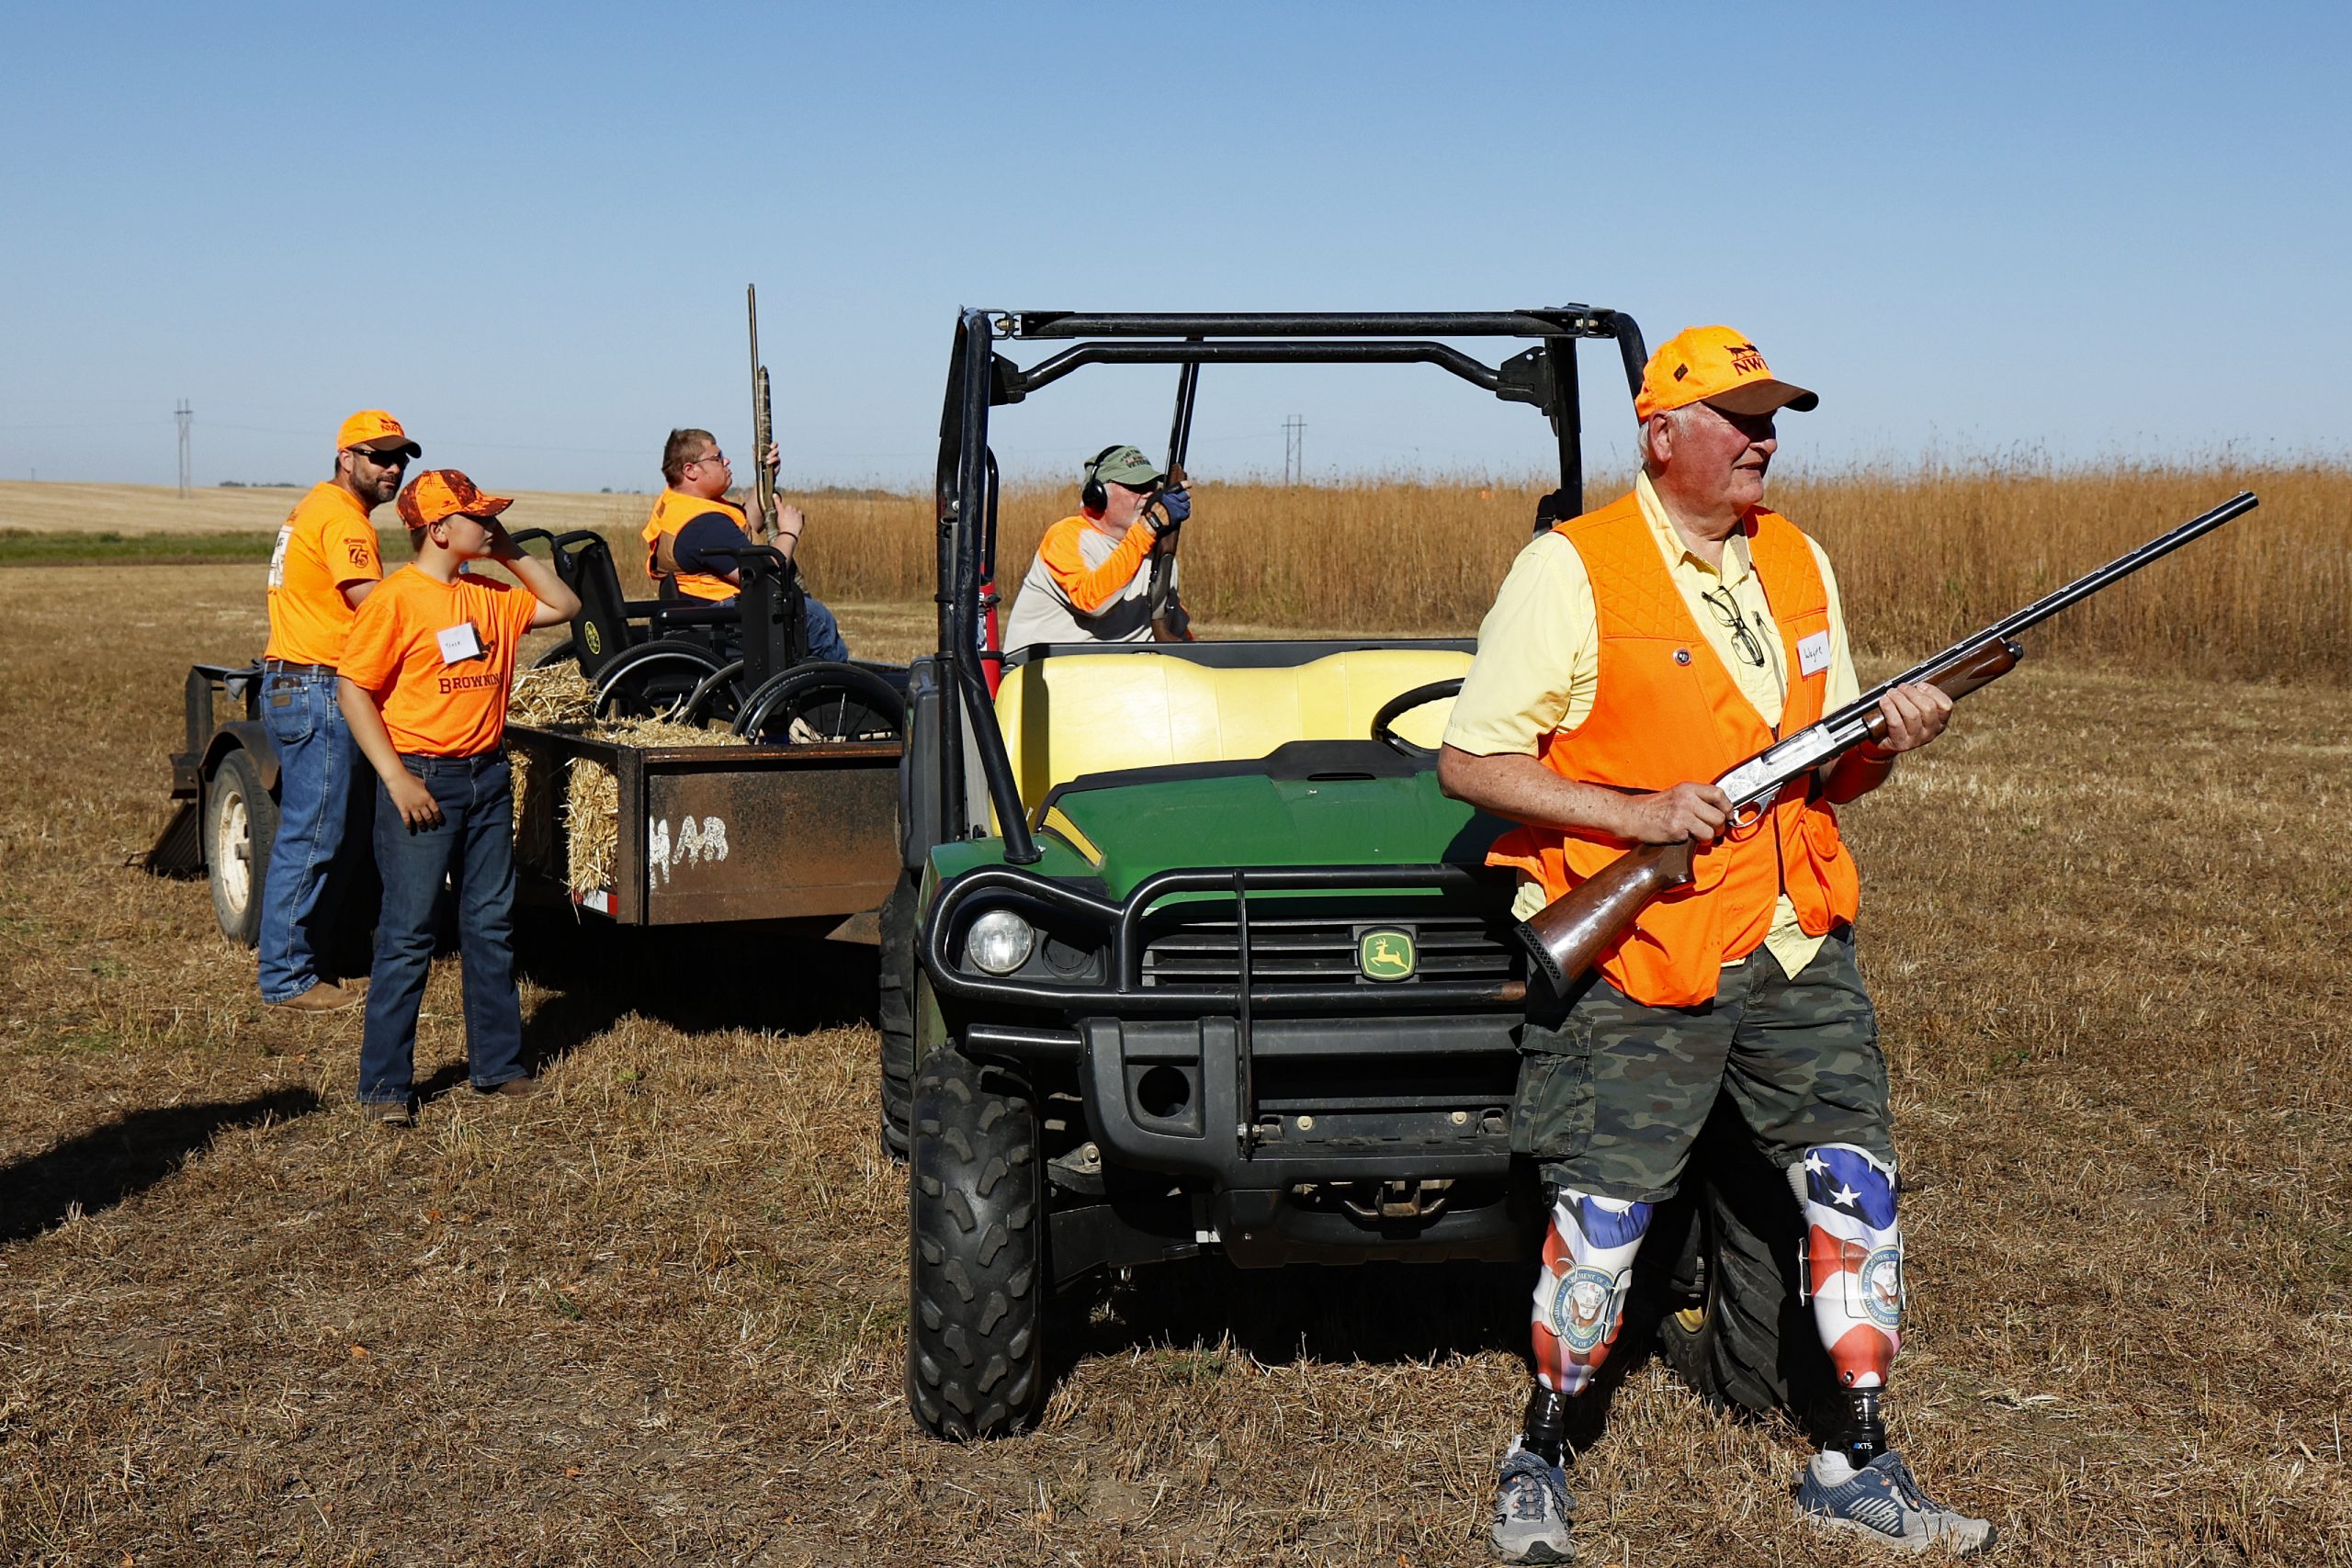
[(673, 510), (1666, 712)]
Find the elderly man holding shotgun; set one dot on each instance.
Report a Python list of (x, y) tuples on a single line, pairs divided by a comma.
[(1633, 654)]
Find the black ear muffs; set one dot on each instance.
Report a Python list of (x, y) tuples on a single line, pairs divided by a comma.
[(1091, 495)]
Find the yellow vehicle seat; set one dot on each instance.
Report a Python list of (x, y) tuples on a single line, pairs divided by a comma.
[(1101, 712)]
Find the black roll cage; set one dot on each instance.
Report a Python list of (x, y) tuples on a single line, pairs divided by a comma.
[(980, 378)]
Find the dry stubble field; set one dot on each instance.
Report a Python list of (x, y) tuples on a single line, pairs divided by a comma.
[(657, 1315)]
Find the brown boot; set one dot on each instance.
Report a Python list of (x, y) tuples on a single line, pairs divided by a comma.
[(515, 1089), (324, 997)]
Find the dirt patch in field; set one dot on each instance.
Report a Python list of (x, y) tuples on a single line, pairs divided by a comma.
[(657, 1315)]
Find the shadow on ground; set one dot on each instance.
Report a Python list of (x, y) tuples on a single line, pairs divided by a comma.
[(697, 980), (101, 1168), (1378, 1312)]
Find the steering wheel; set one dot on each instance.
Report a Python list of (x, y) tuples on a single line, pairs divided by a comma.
[(1404, 703)]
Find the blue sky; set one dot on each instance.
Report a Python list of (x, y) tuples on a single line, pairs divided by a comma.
[(2080, 231)]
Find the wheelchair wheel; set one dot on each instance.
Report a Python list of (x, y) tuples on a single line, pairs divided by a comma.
[(652, 680), (823, 701), (720, 697), (561, 653)]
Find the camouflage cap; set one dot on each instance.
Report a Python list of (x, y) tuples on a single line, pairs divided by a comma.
[(1125, 466), (438, 494)]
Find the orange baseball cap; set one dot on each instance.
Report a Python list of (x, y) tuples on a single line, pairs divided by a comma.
[(370, 425), (1715, 364), (438, 494)]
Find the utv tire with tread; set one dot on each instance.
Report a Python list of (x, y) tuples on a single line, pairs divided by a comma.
[(976, 1260), (896, 1006), (1751, 1344)]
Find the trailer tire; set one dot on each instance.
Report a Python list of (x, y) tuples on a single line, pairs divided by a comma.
[(1749, 1343), (975, 1265), (240, 823), (895, 1012)]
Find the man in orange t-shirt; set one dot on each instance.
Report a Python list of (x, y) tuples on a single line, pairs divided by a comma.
[(425, 677), (324, 565)]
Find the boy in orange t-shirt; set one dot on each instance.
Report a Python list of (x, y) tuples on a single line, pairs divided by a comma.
[(425, 679)]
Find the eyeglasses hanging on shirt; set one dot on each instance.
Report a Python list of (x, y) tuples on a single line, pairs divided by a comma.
[(1726, 610)]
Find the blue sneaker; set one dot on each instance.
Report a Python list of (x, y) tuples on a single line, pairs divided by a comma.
[(1532, 1509), (1882, 1501)]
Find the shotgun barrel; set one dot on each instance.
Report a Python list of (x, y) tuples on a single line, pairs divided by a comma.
[(763, 420)]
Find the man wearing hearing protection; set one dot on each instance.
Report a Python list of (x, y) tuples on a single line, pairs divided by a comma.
[(1092, 579), (1633, 653)]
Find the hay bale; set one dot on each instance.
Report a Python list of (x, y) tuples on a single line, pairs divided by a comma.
[(592, 813), (556, 694)]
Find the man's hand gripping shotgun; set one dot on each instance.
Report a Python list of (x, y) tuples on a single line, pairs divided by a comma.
[(1567, 936)]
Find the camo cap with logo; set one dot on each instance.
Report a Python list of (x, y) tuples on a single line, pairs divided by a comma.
[(1715, 364), (369, 426), (438, 494), (1127, 465)]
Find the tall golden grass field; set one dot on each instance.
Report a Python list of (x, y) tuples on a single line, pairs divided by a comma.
[(1923, 553), (1922, 557)]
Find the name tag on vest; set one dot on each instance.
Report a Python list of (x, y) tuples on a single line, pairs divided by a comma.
[(1812, 654)]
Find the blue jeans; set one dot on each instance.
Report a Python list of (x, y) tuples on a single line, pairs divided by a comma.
[(318, 805), (474, 848), (825, 633)]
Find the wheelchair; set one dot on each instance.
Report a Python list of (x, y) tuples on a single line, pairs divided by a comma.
[(743, 665)]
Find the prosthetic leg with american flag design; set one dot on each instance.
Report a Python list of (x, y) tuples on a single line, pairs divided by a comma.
[(1853, 1271), (1580, 1303)]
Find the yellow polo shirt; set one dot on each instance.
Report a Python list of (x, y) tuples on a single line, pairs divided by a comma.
[(1539, 661)]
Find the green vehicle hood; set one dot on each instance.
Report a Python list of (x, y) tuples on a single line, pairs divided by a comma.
[(1251, 819)]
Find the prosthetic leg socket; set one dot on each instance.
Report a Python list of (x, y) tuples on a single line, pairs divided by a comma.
[(1545, 1427)]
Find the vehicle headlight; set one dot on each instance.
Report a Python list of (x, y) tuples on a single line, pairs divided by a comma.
[(999, 943)]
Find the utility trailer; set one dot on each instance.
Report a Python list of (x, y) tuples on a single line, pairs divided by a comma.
[(803, 832), (798, 832)]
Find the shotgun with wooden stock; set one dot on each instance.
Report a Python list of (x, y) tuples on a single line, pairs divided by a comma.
[(1567, 936)]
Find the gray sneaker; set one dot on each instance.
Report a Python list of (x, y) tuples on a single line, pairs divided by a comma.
[(1532, 1509), (1882, 1501)]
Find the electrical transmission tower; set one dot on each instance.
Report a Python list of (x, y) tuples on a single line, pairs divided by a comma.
[(1294, 450), (186, 416)]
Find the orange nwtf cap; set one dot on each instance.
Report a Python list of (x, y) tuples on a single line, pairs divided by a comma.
[(370, 425), (1714, 365), (438, 494)]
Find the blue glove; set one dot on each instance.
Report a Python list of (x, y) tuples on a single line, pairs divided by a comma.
[(1177, 503)]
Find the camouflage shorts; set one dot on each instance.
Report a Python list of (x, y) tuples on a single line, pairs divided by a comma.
[(1611, 1093)]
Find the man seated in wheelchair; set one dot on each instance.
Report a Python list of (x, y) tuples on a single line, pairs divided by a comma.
[(693, 517)]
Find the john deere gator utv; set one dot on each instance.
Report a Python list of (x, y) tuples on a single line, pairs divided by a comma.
[(1192, 955)]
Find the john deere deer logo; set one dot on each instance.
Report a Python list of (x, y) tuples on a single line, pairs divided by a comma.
[(1385, 955)]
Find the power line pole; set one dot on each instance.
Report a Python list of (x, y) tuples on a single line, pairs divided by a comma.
[(186, 416), (1294, 450)]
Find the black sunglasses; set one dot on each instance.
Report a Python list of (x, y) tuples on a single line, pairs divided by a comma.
[(395, 459)]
